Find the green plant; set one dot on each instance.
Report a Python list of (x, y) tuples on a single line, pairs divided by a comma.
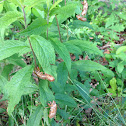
[(45, 34)]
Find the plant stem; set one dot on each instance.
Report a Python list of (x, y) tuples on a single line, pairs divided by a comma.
[(32, 51), (28, 36), (67, 25), (58, 28), (47, 22), (24, 17), (58, 25)]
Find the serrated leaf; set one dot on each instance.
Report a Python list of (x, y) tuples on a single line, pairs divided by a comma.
[(30, 88), (63, 113), (57, 87), (35, 117), (9, 17), (3, 82), (10, 6), (32, 3), (117, 27), (16, 87), (62, 74), (87, 65), (72, 48), (37, 27), (24, 51), (84, 91), (16, 60), (46, 94), (66, 11), (46, 117), (44, 52), (121, 49), (6, 71), (86, 46), (55, 4), (120, 66), (111, 20), (16, 2), (122, 15), (113, 84), (63, 52), (79, 24), (10, 47), (65, 99)]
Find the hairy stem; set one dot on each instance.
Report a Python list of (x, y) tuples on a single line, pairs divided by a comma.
[(28, 36)]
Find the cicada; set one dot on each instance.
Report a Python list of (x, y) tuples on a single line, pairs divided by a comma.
[(53, 109), (43, 76), (84, 11)]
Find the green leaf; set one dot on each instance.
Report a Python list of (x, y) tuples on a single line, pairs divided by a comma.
[(122, 15), (113, 92), (55, 4), (86, 46), (32, 3), (38, 12), (46, 94), (17, 86), (94, 92), (65, 99), (16, 60), (66, 11), (63, 52), (10, 6), (90, 66), (117, 27), (83, 90), (79, 24), (3, 82), (121, 49), (111, 20), (1, 7), (62, 74), (44, 52), (9, 17), (6, 71), (10, 47), (63, 114), (120, 66), (37, 27), (46, 117), (35, 117), (113, 84), (57, 87), (16, 2), (30, 88), (72, 48)]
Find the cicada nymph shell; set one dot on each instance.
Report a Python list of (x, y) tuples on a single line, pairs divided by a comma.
[(53, 109), (43, 76), (80, 18), (84, 11), (85, 7)]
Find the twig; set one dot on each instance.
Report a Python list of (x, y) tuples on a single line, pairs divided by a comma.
[(28, 37)]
